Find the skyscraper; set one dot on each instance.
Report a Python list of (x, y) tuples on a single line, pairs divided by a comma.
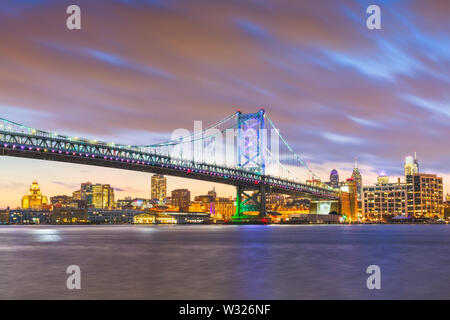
[(334, 178), (159, 187), (356, 176), (411, 165), (102, 196)]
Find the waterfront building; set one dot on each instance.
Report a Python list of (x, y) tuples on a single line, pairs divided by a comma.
[(356, 176), (158, 187), (67, 215), (184, 217), (334, 179), (224, 209), (28, 216), (4, 216), (113, 216), (164, 218), (385, 199), (411, 165), (181, 199), (34, 199), (425, 195), (61, 200), (144, 218)]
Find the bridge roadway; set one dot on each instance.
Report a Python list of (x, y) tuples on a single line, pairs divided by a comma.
[(60, 148)]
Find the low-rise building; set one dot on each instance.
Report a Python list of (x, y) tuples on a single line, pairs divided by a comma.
[(114, 216), (4, 216), (67, 215), (144, 218), (27, 216)]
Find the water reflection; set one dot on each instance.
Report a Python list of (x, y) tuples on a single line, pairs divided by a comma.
[(46, 235)]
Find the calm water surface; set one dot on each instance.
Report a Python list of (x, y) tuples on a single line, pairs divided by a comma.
[(225, 262)]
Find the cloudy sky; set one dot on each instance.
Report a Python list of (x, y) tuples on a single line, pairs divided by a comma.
[(140, 69)]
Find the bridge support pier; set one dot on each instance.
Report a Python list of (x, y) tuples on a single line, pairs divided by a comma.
[(250, 202)]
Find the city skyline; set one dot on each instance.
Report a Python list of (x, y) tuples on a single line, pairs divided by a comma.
[(337, 89), (67, 188)]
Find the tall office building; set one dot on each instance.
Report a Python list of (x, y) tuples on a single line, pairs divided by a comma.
[(334, 179), (84, 194), (349, 200), (411, 165), (181, 198), (425, 195), (159, 187), (356, 176), (99, 196)]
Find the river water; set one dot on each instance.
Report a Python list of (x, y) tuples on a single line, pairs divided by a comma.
[(225, 262)]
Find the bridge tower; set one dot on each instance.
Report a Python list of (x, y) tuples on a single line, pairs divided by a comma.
[(251, 142)]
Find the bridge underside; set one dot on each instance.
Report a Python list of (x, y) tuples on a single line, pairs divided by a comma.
[(160, 169)]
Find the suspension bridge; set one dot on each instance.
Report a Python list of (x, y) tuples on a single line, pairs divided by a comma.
[(245, 150)]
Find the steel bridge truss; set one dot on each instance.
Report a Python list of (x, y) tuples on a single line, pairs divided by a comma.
[(248, 177)]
